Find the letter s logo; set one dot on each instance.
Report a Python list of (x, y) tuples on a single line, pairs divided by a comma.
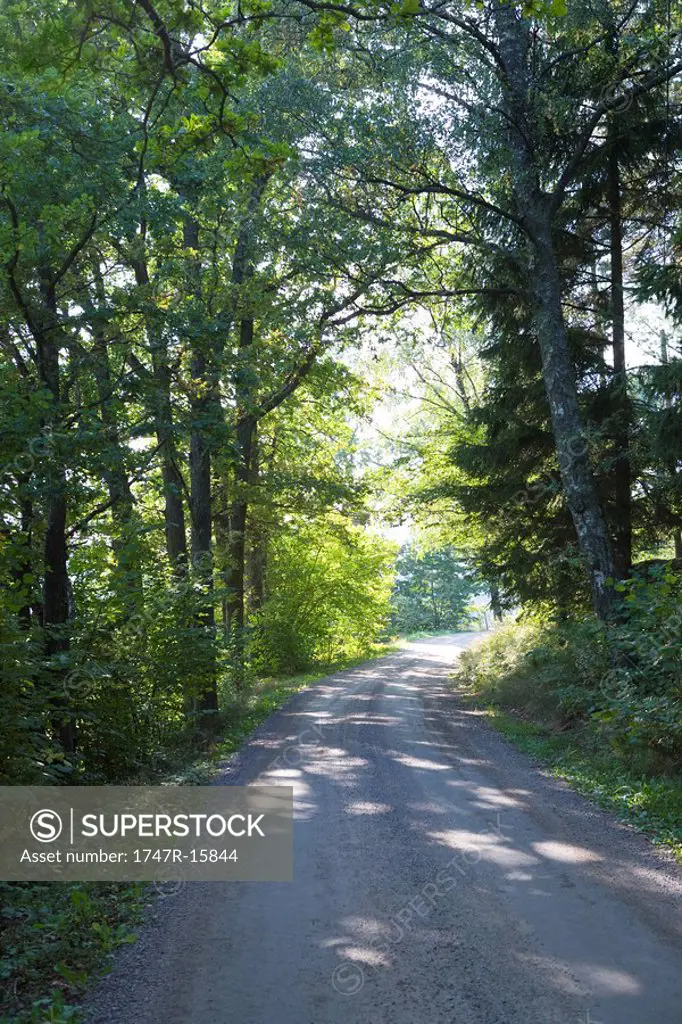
[(46, 826)]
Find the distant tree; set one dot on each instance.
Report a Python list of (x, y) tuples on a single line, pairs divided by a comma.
[(432, 591), (329, 597)]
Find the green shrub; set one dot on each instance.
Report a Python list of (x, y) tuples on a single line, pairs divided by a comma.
[(622, 682), (329, 598), (543, 671), (642, 710)]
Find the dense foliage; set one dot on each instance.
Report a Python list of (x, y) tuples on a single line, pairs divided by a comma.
[(601, 704), (624, 680), (202, 215), (433, 591), (178, 423), (210, 216)]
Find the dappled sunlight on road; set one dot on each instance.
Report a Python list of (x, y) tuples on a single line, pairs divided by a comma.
[(603, 981), (367, 807), (421, 764), (565, 853), (425, 860)]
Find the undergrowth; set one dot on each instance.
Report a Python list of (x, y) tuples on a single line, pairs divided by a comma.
[(599, 706)]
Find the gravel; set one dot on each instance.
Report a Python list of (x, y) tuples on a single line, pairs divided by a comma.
[(440, 877)]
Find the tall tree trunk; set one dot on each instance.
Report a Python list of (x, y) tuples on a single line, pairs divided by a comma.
[(173, 485), (537, 213), (56, 584), (672, 462), (162, 407), (235, 574), (257, 554), (200, 479), (114, 468), (622, 517), (578, 481)]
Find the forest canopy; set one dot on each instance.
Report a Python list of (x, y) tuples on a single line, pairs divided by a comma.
[(228, 236)]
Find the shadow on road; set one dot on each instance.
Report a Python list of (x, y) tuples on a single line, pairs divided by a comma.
[(439, 878)]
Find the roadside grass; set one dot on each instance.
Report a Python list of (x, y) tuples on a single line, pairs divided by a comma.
[(523, 700), (652, 805), (57, 936)]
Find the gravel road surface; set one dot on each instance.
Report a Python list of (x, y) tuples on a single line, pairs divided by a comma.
[(439, 877)]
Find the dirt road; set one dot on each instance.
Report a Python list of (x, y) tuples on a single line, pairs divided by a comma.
[(439, 877)]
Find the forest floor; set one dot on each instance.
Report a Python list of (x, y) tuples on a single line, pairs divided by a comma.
[(439, 875)]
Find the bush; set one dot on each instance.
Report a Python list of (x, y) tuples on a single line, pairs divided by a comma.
[(135, 691), (546, 672), (27, 756), (330, 592), (643, 690), (622, 682)]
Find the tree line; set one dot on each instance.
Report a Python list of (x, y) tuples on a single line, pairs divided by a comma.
[(203, 207)]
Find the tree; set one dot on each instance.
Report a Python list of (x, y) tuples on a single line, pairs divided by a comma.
[(524, 80), (432, 591), (165, 292)]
